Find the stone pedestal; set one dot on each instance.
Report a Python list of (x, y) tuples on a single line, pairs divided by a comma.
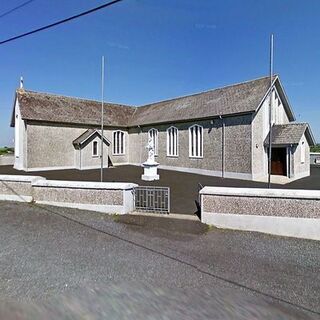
[(150, 171)]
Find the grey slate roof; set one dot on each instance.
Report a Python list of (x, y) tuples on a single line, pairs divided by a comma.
[(239, 98), (291, 133), (54, 108), (235, 99), (84, 136)]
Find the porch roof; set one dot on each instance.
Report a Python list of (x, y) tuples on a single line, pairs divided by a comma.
[(290, 134), (86, 135)]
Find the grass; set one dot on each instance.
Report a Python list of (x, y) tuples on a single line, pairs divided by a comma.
[(6, 150), (315, 148)]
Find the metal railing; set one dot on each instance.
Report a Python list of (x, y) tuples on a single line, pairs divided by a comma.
[(152, 199)]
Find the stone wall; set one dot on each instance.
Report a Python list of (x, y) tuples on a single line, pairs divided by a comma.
[(105, 197), (17, 188), (50, 146), (7, 160), (117, 198), (301, 169), (283, 212), (87, 161), (237, 147)]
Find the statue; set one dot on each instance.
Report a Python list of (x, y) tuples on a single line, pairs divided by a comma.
[(150, 166), (150, 148)]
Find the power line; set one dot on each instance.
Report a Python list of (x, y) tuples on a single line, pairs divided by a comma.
[(61, 21), (16, 8)]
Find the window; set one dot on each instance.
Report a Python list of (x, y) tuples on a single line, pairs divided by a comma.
[(303, 152), (153, 134), (273, 108), (95, 148), (172, 142), (118, 143), (196, 141)]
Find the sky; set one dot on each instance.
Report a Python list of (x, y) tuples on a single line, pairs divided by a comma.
[(160, 49)]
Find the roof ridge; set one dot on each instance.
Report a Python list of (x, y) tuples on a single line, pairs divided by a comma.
[(205, 91), (292, 124), (72, 97)]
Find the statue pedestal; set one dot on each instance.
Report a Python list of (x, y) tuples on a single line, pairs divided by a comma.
[(150, 171)]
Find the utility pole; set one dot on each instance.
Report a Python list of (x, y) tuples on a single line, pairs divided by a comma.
[(102, 116), (270, 113)]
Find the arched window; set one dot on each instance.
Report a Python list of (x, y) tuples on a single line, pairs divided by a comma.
[(196, 141), (95, 148), (118, 143), (172, 142), (153, 134)]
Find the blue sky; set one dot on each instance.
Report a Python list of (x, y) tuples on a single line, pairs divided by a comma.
[(158, 49)]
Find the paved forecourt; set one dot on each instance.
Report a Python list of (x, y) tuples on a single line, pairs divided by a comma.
[(184, 186)]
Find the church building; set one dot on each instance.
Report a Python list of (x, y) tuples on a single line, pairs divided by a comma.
[(222, 132)]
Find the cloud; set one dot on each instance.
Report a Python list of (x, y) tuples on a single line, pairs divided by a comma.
[(117, 45), (205, 26)]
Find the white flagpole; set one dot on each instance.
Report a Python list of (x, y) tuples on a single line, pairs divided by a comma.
[(102, 116), (270, 113)]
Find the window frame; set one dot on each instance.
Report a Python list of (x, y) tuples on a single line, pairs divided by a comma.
[(117, 144), (303, 152), (156, 139), (176, 139), (95, 155), (199, 143)]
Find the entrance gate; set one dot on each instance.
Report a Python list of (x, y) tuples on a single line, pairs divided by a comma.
[(152, 199)]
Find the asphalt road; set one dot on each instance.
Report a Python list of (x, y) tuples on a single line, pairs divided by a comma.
[(184, 186), (150, 268)]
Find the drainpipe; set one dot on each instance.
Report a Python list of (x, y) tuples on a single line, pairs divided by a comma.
[(140, 147), (222, 147), (290, 161)]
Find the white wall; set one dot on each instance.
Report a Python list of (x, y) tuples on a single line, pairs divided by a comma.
[(19, 139)]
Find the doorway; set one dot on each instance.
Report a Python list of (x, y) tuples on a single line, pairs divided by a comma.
[(279, 161)]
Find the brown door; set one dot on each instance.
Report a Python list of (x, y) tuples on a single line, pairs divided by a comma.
[(279, 161)]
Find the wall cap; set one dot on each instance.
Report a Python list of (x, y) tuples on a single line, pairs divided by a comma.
[(20, 178), (84, 184), (262, 193)]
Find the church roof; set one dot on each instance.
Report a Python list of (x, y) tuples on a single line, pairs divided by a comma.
[(290, 134), (47, 107), (242, 98), (239, 98)]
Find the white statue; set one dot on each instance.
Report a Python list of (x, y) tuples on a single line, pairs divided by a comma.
[(150, 166), (150, 147)]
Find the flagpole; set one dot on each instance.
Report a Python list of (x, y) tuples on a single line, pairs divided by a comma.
[(102, 116), (270, 113)]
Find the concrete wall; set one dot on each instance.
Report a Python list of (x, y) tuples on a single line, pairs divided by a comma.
[(7, 160), (260, 130), (294, 213), (87, 160), (237, 150), (50, 146), (279, 114), (117, 198), (17, 188), (315, 158), (300, 169), (20, 140)]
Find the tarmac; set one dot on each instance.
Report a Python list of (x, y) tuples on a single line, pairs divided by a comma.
[(184, 187), (60, 263)]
